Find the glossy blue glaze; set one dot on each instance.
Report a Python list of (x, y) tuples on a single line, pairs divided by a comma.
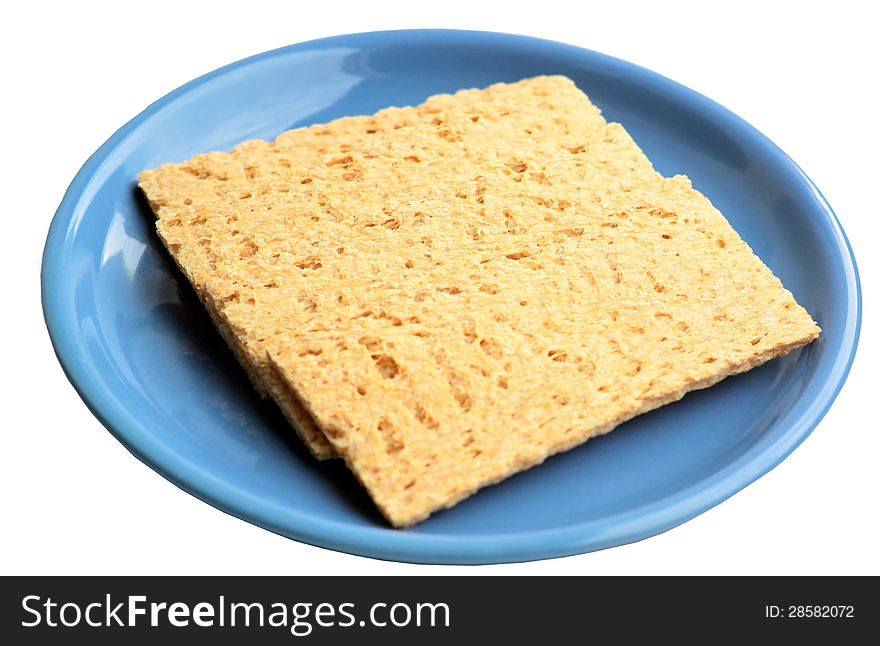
[(142, 353)]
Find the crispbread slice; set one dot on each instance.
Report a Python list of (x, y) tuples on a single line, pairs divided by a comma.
[(213, 188), (454, 302)]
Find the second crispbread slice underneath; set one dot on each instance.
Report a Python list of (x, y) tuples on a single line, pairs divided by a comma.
[(455, 302), (192, 197)]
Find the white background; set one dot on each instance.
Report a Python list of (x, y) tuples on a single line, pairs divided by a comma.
[(75, 501)]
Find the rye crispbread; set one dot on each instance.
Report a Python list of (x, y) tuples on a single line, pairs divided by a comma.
[(456, 300)]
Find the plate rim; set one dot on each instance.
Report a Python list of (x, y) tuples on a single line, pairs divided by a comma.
[(401, 545)]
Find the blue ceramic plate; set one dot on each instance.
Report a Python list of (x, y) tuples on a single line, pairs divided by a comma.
[(138, 347)]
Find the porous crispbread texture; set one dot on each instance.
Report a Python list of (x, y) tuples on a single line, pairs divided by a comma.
[(217, 186), (455, 302)]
